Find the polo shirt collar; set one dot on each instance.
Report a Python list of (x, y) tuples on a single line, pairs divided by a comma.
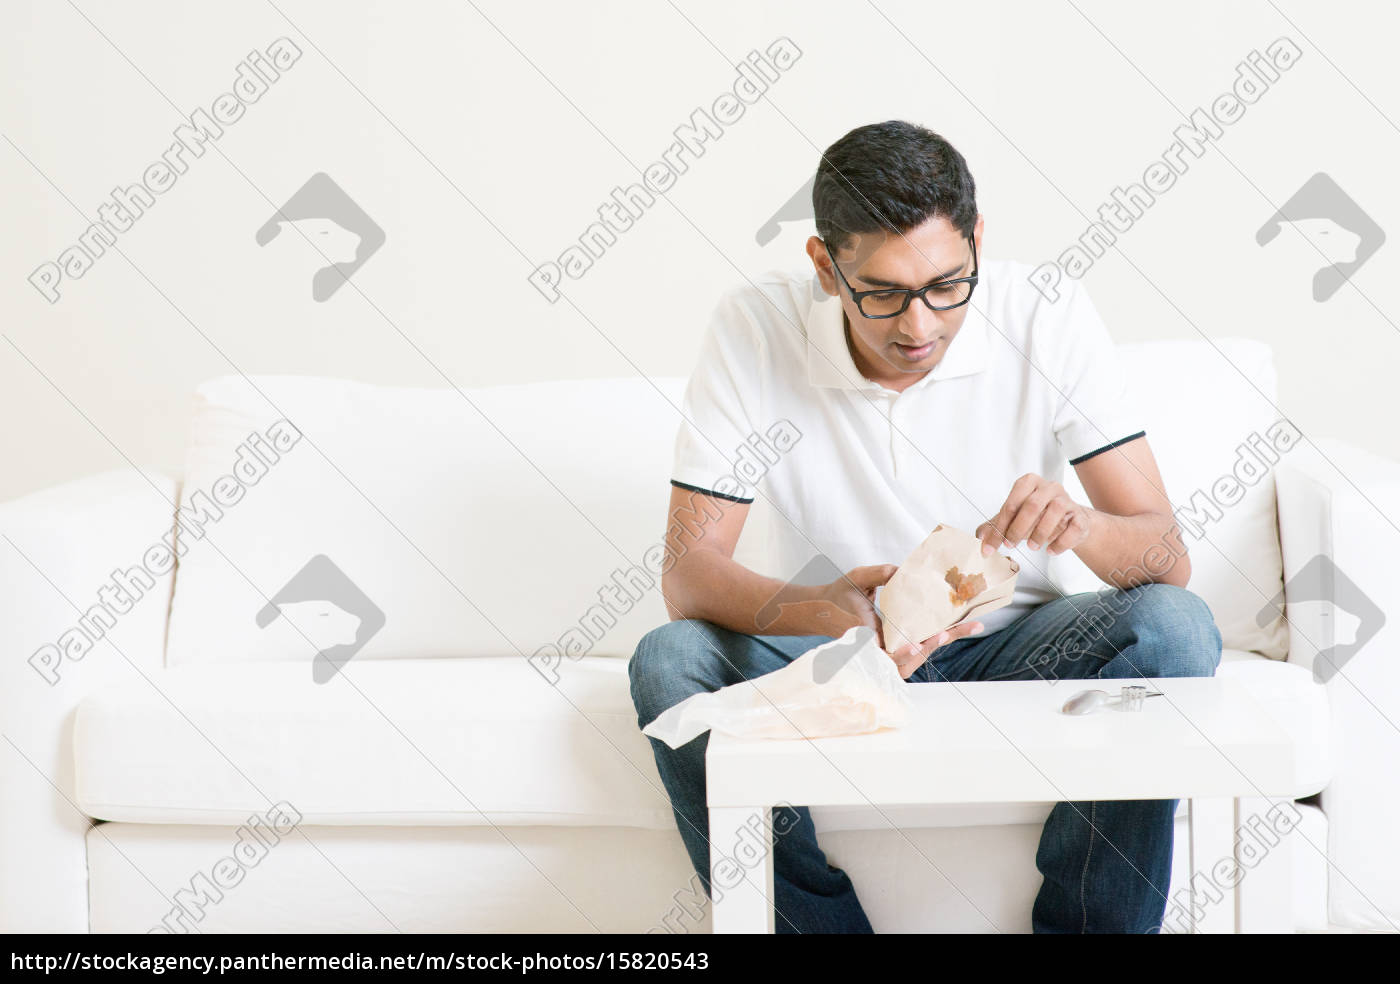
[(829, 361)]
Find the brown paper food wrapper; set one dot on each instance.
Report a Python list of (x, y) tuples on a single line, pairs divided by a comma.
[(944, 582)]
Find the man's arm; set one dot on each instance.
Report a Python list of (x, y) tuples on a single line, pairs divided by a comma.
[(705, 582), (1133, 536), (1128, 537)]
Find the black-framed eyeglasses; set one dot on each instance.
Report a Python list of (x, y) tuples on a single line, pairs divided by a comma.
[(889, 302)]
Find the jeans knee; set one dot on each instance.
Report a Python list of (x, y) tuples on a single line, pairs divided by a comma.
[(668, 665), (1176, 632)]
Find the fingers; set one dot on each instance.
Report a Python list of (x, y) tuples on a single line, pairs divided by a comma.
[(915, 655), (1002, 523), (990, 533), (909, 658), (869, 578), (1050, 523), (906, 665), (1073, 533), (963, 631), (949, 635), (1028, 516), (994, 532), (1036, 511), (925, 649), (1002, 530)]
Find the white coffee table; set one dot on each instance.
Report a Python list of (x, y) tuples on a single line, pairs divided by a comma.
[(1206, 740)]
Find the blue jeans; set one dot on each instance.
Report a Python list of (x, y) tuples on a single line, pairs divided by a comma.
[(1106, 865)]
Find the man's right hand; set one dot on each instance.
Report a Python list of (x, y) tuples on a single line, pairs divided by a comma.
[(850, 600)]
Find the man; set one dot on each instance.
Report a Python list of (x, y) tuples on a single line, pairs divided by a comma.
[(928, 385)]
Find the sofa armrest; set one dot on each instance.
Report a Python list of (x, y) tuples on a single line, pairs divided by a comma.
[(74, 561), (1338, 511)]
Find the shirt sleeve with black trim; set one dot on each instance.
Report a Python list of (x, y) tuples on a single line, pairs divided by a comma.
[(721, 406), (1096, 409)]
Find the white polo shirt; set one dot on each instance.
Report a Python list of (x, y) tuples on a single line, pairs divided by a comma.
[(1026, 386)]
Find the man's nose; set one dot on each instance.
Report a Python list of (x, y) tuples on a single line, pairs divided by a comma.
[(920, 322)]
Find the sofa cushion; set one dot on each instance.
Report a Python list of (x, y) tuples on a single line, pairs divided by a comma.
[(484, 522), (441, 742)]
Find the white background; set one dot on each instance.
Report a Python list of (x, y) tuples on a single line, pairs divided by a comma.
[(483, 136)]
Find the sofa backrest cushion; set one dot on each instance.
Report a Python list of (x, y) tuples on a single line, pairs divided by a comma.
[(485, 522), (527, 519)]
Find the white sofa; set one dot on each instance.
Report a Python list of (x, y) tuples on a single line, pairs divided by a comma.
[(458, 773)]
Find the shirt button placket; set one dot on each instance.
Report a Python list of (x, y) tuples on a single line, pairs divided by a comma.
[(894, 434)]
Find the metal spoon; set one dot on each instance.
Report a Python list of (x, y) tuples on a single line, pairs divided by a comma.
[(1088, 701)]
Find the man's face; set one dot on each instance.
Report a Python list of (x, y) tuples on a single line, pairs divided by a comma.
[(897, 352)]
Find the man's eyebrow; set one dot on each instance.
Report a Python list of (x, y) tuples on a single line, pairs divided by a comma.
[(945, 275)]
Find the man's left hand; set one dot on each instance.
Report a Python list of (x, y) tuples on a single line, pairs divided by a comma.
[(1039, 512)]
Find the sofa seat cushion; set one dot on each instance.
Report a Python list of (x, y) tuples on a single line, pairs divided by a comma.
[(442, 742), (419, 741)]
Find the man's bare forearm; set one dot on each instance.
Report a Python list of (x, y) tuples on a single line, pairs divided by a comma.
[(705, 584), (1128, 550)]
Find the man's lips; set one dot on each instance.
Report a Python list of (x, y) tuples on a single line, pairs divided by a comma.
[(915, 354)]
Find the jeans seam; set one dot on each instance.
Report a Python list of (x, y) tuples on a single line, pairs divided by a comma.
[(1084, 873)]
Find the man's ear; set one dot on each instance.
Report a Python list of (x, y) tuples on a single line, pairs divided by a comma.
[(821, 262), (977, 234)]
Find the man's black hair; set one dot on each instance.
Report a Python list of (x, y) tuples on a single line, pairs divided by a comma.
[(891, 176)]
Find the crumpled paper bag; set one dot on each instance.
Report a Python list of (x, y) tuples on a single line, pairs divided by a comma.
[(844, 687), (944, 582)]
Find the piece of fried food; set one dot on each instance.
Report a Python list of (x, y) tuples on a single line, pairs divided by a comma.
[(965, 586)]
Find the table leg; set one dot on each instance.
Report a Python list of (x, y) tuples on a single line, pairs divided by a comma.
[(1213, 864), (741, 870), (1265, 891)]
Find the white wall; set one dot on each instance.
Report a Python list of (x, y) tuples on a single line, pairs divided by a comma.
[(482, 137)]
